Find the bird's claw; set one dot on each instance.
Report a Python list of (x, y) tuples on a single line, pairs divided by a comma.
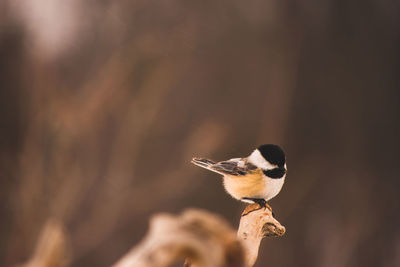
[(250, 208), (268, 207), (257, 206)]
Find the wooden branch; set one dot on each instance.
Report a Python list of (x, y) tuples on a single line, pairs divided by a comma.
[(205, 238), (255, 224), (51, 248)]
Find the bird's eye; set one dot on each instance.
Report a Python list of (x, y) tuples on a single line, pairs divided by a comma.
[(275, 173)]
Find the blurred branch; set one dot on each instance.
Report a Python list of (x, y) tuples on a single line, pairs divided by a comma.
[(50, 249), (204, 239)]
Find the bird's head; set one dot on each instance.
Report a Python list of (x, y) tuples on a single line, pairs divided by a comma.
[(270, 159)]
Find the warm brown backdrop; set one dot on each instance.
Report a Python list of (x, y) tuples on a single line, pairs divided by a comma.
[(103, 104)]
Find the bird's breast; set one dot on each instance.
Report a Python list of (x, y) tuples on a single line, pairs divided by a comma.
[(244, 186), (252, 186), (272, 187)]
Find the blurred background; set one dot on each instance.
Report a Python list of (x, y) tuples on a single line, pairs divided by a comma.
[(104, 103)]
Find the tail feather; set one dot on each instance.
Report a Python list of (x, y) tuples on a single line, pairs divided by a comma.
[(205, 163), (232, 167), (210, 165)]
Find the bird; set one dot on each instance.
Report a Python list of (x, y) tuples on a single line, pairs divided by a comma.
[(253, 179)]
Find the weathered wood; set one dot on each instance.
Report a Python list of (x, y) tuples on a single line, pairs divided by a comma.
[(203, 239), (255, 224)]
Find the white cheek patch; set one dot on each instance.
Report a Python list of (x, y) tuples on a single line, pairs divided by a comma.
[(258, 160)]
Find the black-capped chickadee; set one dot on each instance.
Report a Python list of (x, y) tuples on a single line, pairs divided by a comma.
[(254, 179)]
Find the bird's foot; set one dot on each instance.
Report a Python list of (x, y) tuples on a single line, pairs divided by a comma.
[(268, 207), (259, 203), (251, 208)]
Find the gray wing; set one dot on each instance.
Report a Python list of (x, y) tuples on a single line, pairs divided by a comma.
[(235, 167)]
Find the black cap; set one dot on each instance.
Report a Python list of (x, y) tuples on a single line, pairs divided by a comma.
[(273, 154)]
